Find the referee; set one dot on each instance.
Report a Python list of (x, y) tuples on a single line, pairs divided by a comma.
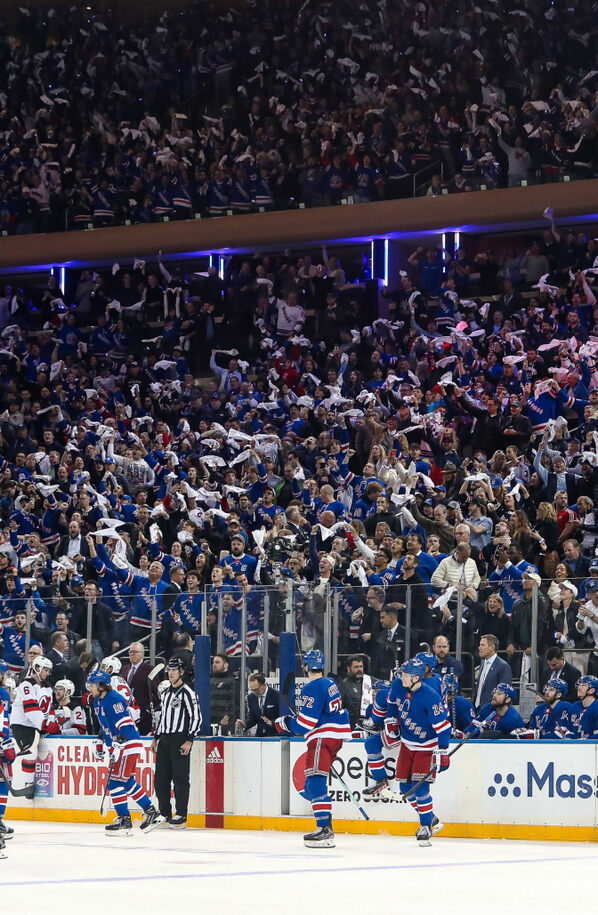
[(179, 722)]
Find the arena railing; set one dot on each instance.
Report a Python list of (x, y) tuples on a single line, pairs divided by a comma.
[(312, 614)]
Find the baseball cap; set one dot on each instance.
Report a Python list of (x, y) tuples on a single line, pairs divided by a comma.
[(569, 586), (533, 576), (592, 586), (76, 580), (496, 483)]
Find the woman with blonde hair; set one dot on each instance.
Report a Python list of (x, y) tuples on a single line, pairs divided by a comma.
[(494, 621)]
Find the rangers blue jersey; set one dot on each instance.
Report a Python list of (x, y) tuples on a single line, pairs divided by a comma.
[(114, 719), (589, 722), (572, 719), (546, 720), (244, 563), (422, 715), (509, 722), (321, 713)]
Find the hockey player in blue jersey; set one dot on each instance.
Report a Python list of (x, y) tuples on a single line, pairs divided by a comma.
[(121, 738), (549, 718), (425, 730), (587, 692), (324, 723), (387, 737), (460, 710), (498, 718), (7, 757)]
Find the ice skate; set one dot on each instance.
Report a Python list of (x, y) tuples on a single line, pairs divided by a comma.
[(2, 848), (120, 826), (6, 832), (424, 836), (321, 838), (436, 825), (151, 819), (376, 789)]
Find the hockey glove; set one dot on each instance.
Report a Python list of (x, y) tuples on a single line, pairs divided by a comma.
[(444, 761), (50, 727), (7, 750), (282, 724), (391, 735), (114, 753), (99, 749), (87, 700)]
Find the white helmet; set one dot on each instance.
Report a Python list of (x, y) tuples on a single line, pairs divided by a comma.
[(67, 685), (163, 686), (40, 663), (111, 664)]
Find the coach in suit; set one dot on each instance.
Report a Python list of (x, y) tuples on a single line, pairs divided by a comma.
[(136, 673), (263, 704), (492, 671), (57, 655), (559, 669)]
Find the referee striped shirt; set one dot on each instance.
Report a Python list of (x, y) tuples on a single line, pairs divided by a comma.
[(179, 712)]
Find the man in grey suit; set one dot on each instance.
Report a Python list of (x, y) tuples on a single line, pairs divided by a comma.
[(492, 671)]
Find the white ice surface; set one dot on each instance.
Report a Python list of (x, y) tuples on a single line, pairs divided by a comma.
[(60, 869)]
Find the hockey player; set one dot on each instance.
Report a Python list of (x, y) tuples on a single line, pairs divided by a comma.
[(549, 718), (70, 718), (498, 718), (31, 716), (387, 736), (425, 729), (122, 739), (7, 757), (4, 693), (587, 691), (460, 710), (112, 665), (431, 679), (324, 723)]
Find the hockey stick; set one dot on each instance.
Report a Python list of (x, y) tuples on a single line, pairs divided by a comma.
[(434, 768), (351, 795), (6, 778), (286, 691), (288, 681), (111, 767), (151, 677)]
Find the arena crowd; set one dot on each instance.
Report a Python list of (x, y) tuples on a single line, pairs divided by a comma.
[(443, 458), (287, 103)]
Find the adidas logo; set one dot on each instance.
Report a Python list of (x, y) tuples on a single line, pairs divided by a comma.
[(214, 756)]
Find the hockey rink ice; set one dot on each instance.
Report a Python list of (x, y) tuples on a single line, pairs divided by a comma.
[(69, 867)]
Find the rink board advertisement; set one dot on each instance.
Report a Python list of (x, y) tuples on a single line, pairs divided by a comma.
[(69, 777), (488, 782), (252, 783)]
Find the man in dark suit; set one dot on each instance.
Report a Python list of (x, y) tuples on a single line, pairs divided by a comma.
[(263, 707), (492, 671), (73, 545), (136, 673), (388, 647), (57, 655), (557, 668)]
